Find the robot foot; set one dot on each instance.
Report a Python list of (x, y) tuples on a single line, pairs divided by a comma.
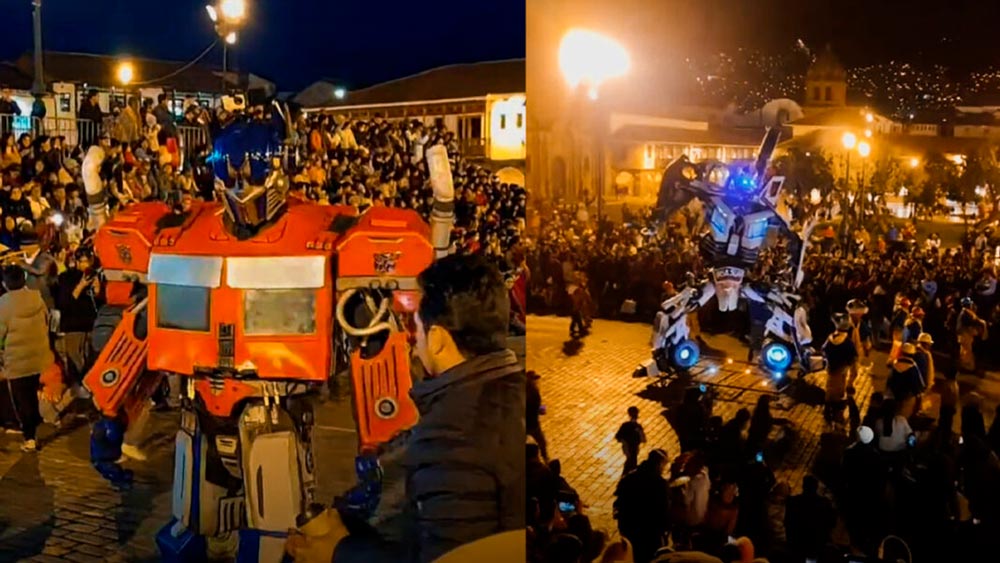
[(177, 544)]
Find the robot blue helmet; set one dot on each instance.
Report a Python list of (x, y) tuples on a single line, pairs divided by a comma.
[(776, 357)]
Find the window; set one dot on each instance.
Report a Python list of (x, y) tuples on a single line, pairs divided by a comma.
[(64, 103), (520, 120), (719, 221), (474, 129), (183, 307), (758, 229), (816, 93), (279, 311), (503, 121), (828, 94)]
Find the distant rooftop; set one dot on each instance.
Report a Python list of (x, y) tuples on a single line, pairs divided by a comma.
[(102, 71), (442, 83)]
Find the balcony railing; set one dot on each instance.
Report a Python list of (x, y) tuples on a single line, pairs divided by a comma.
[(474, 148)]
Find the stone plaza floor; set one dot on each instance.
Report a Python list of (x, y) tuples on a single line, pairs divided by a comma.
[(588, 385)]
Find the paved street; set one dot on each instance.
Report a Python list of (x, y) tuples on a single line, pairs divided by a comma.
[(55, 507), (587, 388)]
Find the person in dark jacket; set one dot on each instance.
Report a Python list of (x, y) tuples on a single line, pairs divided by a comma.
[(90, 119), (809, 520), (642, 506), (533, 410), (465, 458), (78, 298)]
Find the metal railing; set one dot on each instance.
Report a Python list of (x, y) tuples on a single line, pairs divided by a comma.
[(84, 132), (474, 148)]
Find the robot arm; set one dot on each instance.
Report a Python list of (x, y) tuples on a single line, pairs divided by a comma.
[(443, 211), (671, 339)]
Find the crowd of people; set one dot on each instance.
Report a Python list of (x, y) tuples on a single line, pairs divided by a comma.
[(54, 194), (919, 467)]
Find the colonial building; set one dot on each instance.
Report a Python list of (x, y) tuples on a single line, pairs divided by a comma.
[(70, 76), (484, 103)]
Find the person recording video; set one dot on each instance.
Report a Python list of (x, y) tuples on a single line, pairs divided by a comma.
[(79, 295)]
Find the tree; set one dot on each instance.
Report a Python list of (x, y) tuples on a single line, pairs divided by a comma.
[(805, 170), (940, 175)]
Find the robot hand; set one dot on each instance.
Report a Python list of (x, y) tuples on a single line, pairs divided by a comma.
[(360, 503), (318, 532)]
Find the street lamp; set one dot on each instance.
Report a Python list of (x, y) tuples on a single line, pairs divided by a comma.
[(914, 162), (125, 73), (339, 93), (589, 59), (864, 149), (228, 16)]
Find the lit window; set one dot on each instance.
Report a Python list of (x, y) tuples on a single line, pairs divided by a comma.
[(757, 229)]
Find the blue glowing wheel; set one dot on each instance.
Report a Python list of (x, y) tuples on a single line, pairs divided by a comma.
[(776, 356), (685, 354)]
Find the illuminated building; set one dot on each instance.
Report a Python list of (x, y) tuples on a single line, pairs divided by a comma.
[(482, 103)]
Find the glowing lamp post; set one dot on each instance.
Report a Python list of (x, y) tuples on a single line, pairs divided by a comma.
[(228, 17), (125, 73), (864, 149), (588, 59)]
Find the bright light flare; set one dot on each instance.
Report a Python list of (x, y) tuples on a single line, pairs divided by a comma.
[(587, 57), (231, 38), (914, 162), (849, 140), (339, 93), (57, 219), (212, 13), (233, 10), (125, 73), (864, 149), (869, 117)]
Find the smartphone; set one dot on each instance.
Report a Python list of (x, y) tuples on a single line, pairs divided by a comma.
[(911, 440), (703, 388), (566, 507), (760, 457)]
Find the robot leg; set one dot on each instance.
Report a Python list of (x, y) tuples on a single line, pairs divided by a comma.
[(278, 481), (203, 511), (106, 449)]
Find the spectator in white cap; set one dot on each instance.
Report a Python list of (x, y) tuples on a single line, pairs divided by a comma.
[(925, 359)]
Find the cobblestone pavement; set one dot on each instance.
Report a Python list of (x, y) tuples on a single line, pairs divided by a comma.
[(55, 507), (587, 390)]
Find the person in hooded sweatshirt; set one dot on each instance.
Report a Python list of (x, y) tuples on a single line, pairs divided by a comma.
[(841, 356), (906, 383), (24, 338)]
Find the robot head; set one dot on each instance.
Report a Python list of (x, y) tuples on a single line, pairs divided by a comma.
[(246, 159), (728, 282)]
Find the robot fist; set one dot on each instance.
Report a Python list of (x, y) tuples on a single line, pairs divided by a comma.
[(319, 531)]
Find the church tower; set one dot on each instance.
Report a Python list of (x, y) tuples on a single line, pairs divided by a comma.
[(826, 82)]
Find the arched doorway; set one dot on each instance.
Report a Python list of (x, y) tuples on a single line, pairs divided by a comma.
[(558, 179), (624, 183), (510, 175)]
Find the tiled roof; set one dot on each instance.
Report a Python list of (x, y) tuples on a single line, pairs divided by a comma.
[(442, 83), (849, 116), (720, 136), (12, 77), (101, 71)]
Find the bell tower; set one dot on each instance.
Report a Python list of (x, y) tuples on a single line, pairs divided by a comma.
[(826, 81)]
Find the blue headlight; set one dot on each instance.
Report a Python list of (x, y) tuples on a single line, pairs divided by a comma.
[(685, 354), (777, 357)]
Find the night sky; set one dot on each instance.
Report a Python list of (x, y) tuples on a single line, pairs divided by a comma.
[(293, 42)]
